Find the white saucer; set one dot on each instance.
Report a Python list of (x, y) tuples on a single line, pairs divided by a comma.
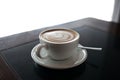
[(74, 61)]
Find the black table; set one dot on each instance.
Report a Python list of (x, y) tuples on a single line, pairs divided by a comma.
[(17, 64)]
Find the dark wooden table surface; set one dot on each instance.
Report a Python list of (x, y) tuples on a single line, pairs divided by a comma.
[(16, 63)]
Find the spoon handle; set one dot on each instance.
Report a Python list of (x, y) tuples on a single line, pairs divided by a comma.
[(92, 48)]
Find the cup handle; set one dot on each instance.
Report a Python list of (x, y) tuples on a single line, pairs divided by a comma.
[(40, 46)]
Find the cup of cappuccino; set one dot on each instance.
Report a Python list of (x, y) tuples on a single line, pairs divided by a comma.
[(60, 44)]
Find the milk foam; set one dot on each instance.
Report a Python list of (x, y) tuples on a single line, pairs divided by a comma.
[(59, 35)]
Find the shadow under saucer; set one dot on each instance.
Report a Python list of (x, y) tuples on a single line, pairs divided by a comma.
[(59, 74)]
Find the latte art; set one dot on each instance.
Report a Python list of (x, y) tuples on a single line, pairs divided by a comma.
[(59, 35)]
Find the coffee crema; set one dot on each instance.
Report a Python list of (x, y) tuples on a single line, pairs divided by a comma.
[(59, 35)]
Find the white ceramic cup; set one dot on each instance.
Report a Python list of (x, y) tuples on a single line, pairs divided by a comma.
[(60, 44)]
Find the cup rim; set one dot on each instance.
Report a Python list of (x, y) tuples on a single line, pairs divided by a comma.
[(76, 38)]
